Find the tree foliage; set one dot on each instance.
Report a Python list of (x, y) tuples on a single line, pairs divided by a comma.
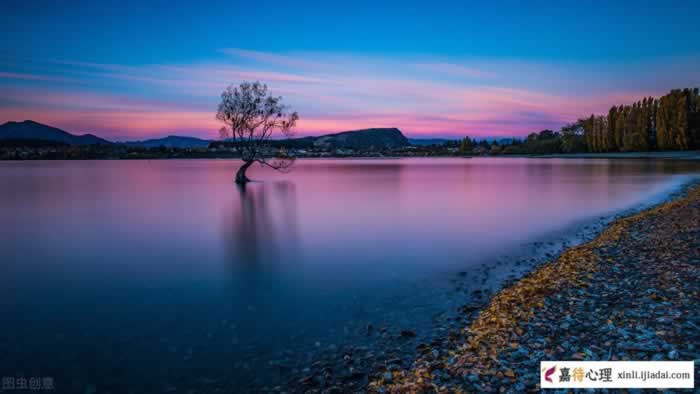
[(572, 139), (669, 123), (251, 115), (466, 145)]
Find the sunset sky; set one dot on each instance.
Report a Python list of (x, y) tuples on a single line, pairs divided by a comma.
[(125, 70)]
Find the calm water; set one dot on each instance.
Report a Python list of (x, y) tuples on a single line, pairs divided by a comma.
[(164, 275)]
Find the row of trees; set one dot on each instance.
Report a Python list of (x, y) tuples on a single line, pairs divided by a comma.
[(568, 140), (669, 123)]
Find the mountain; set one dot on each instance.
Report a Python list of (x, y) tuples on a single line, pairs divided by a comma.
[(363, 139), (171, 141), (30, 130), (428, 141), (376, 138)]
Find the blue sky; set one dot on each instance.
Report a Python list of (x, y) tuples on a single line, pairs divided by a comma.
[(438, 68)]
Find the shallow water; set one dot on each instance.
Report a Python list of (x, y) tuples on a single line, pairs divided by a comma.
[(164, 275)]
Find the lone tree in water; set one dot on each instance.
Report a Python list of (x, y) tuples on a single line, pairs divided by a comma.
[(251, 115)]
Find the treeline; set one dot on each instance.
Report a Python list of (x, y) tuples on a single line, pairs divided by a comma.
[(34, 149), (569, 140), (671, 122)]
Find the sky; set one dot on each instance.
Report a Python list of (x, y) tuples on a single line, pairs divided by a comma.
[(147, 69)]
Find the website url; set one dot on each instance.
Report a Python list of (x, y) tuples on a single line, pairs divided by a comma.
[(648, 375)]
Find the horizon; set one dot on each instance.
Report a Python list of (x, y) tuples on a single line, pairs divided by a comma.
[(432, 72), (429, 137)]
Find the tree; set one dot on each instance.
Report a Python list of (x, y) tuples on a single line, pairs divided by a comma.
[(588, 132), (612, 123), (694, 118), (682, 110), (251, 115), (572, 137), (620, 122), (601, 125), (653, 143), (636, 137), (542, 143), (594, 130), (466, 146), (671, 122), (636, 142)]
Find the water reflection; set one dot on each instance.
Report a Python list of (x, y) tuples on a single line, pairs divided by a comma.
[(261, 227)]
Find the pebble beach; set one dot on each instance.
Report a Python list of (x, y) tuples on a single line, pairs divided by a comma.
[(630, 294)]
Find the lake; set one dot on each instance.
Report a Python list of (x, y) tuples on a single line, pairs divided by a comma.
[(164, 276)]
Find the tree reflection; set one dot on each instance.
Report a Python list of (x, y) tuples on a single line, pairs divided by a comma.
[(261, 229)]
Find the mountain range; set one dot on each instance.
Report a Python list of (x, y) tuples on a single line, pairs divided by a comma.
[(171, 141), (355, 139), (30, 130)]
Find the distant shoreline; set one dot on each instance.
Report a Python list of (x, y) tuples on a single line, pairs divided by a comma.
[(666, 155), (683, 155), (673, 155), (29, 140)]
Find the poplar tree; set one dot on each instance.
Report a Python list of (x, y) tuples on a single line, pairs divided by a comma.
[(653, 144), (694, 118), (671, 122), (682, 140), (612, 123), (620, 122), (662, 124), (588, 133), (465, 146)]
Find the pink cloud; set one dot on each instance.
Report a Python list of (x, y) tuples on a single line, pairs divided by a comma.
[(475, 112), (156, 123), (422, 96)]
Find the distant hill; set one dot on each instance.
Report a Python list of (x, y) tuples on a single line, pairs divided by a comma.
[(429, 141), (171, 141), (378, 138), (375, 138), (363, 139), (30, 130)]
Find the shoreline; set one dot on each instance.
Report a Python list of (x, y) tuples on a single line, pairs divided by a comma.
[(665, 155), (462, 299), (662, 155), (489, 353)]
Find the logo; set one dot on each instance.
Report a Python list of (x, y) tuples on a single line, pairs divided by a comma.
[(617, 374), (548, 373)]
